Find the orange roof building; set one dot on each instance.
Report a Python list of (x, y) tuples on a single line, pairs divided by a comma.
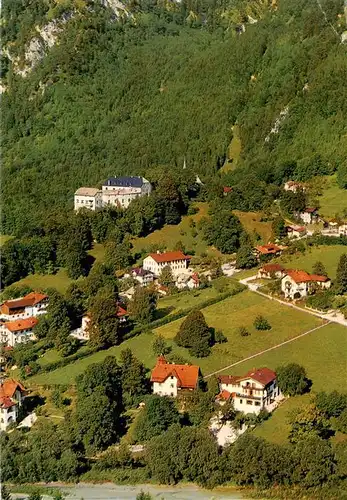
[(255, 391), (297, 283), (270, 249), (12, 394), (32, 304), (18, 331), (155, 262), (168, 378)]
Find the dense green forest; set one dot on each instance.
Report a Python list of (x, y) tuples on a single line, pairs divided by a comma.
[(166, 83)]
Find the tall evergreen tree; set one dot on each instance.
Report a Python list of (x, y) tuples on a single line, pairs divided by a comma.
[(104, 324), (195, 334), (341, 275), (319, 268), (143, 305)]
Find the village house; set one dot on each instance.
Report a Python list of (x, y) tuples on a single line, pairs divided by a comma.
[(143, 276), (294, 186), (32, 305), (116, 191), (271, 271), (227, 190), (294, 231), (269, 250), (18, 331), (342, 231), (12, 394), (155, 262), (169, 379), (86, 197), (188, 282), (297, 283), (309, 215), (255, 391), (82, 333)]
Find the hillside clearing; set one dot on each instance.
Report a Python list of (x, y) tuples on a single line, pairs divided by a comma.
[(328, 254), (333, 200), (60, 281), (233, 152), (251, 221)]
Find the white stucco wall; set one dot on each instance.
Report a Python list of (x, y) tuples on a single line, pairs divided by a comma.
[(166, 388)]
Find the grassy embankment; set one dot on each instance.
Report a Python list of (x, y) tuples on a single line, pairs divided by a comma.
[(227, 315), (233, 151), (333, 200)]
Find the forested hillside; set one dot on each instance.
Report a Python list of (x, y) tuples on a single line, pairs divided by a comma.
[(164, 82)]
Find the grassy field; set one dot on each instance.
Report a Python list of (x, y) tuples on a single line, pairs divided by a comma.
[(241, 310), (60, 281), (169, 235), (334, 200), (98, 252), (323, 354), (4, 238), (228, 316), (329, 255), (234, 151), (251, 222)]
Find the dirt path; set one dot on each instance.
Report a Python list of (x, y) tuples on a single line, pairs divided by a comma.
[(267, 350)]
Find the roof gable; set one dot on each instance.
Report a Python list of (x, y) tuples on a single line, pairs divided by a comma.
[(21, 324), (186, 375)]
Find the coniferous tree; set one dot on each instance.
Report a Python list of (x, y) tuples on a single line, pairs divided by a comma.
[(195, 334), (166, 277), (319, 268), (104, 325), (341, 275), (143, 305), (134, 379)]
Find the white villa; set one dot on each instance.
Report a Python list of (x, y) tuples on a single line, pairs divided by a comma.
[(155, 262), (255, 391), (169, 379), (18, 331), (116, 191), (18, 318), (297, 283), (294, 231), (32, 305), (143, 276), (309, 215), (270, 271), (12, 394)]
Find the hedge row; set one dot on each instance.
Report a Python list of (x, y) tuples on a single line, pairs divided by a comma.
[(181, 313), (136, 331), (329, 240)]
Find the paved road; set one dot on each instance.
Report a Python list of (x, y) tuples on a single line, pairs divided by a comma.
[(267, 350)]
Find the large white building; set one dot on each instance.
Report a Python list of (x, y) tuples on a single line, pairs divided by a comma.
[(169, 379), (255, 391), (155, 262), (297, 283), (116, 191), (18, 331)]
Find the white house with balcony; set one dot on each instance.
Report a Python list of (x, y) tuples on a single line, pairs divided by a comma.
[(155, 262), (32, 305), (255, 391), (12, 394), (169, 379), (297, 283)]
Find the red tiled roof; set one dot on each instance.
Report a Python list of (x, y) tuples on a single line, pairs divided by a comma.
[(121, 312), (271, 248), (224, 395), (318, 277), (21, 324), (227, 189), (300, 276), (9, 387), (228, 379), (272, 268), (6, 402), (187, 375), (300, 229), (168, 256), (31, 299), (310, 210), (262, 375)]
